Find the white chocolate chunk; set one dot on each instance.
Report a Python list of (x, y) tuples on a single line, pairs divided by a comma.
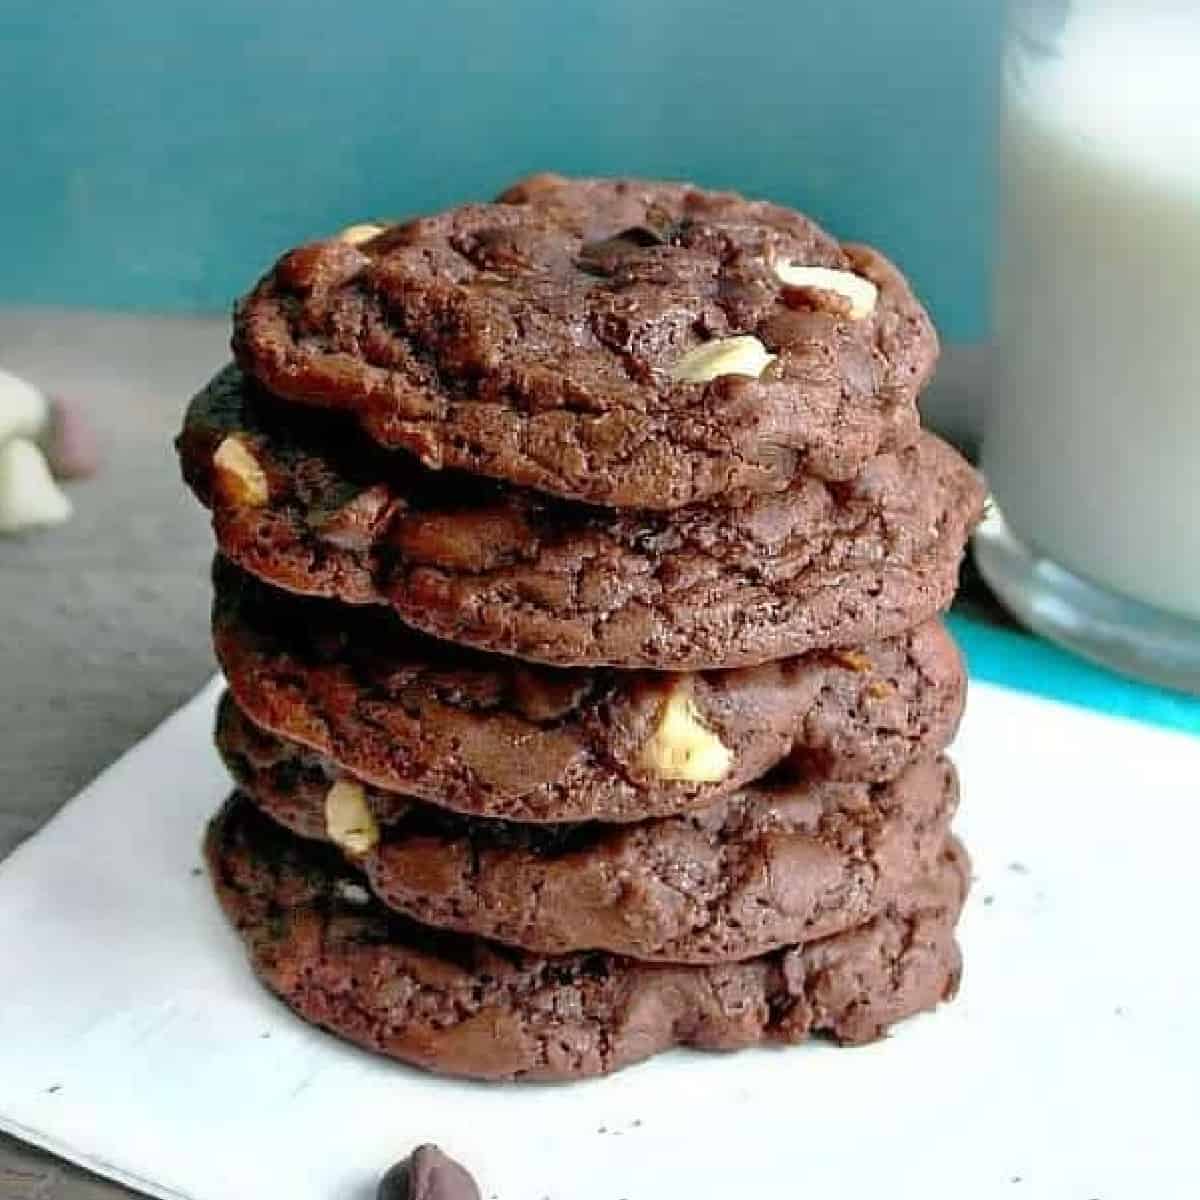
[(349, 821), (239, 475), (24, 411), (860, 293), (741, 355), (29, 497), (682, 747), (355, 235)]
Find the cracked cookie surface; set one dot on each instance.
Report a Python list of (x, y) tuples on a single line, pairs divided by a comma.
[(490, 736), (768, 866), (538, 340), (510, 570)]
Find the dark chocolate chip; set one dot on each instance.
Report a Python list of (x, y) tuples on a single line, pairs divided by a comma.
[(640, 235), (69, 441), (659, 230), (427, 1174)]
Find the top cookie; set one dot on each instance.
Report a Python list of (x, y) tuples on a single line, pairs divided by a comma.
[(625, 343)]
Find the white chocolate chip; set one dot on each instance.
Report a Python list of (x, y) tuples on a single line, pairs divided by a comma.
[(355, 235), (858, 292), (24, 411), (29, 497), (741, 355), (349, 822), (239, 475), (682, 747)]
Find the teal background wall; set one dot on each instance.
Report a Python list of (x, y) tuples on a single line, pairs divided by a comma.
[(159, 153)]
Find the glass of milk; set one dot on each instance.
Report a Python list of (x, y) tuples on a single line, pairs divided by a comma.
[(1092, 436)]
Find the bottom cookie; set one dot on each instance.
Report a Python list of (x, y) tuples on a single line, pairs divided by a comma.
[(463, 1006)]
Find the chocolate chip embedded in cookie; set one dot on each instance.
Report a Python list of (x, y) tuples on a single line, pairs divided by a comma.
[(464, 1006), (769, 866), (491, 736), (306, 503), (621, 342)]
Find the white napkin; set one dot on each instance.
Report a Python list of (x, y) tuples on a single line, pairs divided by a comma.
[(134, 1040)]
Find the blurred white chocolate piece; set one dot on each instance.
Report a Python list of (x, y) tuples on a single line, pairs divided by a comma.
[(23, 409), (29, 497)]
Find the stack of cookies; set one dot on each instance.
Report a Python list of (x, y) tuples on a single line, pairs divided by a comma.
[(580, 563)]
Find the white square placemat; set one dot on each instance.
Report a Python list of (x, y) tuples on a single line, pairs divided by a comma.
[(134, 1040)]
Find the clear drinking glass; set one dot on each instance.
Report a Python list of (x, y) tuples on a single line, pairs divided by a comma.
[(1092, 436)]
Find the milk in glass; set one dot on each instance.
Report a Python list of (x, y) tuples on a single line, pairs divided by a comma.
[(1092, 439)]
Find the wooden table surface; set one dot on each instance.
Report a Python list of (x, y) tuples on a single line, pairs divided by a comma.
[(103, 622)]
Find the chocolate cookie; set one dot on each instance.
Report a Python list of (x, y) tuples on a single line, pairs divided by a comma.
[(464, 1006), (771, 865), (311, 506), (491, 736), (631, 344)]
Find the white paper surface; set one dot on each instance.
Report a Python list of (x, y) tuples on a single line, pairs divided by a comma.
[(134, 1040)]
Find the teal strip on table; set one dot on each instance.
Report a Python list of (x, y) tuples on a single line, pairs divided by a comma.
[(1031, 664)]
